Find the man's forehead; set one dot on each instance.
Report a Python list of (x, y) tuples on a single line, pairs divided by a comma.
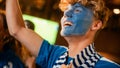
[(76, 5)]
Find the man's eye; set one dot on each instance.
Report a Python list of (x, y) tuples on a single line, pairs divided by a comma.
[(77, 11)]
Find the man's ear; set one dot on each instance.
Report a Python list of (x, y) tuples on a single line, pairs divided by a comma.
[(96, 25)]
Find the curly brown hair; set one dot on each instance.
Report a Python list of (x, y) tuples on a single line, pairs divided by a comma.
[(98, 7)]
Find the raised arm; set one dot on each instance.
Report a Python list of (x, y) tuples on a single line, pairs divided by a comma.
[(29, 38)]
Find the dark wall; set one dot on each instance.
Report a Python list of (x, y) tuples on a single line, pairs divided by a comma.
[(108, 44)]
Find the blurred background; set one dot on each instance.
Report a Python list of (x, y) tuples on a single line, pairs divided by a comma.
[(107, 42)]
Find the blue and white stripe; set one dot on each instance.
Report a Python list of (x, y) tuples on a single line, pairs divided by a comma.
[(61, 60), (87, 58)]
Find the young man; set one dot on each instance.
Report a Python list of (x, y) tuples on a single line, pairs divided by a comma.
[(81, 21)]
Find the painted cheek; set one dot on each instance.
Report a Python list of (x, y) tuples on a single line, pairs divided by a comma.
[(82, 22)]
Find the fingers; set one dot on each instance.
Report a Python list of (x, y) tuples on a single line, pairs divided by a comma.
[(66, 66)]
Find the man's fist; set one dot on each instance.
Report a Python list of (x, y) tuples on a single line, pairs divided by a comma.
[(66, 66)]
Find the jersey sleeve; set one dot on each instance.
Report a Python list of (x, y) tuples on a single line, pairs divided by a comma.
[(106, 63), (48, 54)]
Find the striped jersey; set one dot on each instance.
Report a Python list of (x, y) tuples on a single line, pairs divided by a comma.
[(53, 56)]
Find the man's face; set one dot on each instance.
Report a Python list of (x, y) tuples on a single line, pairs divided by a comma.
[(76, 20)]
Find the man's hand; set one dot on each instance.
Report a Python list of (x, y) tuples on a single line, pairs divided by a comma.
[(66, 66)]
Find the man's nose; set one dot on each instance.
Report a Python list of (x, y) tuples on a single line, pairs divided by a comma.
[(68, 14)]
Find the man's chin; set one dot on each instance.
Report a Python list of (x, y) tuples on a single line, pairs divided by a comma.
[(71, 35), (65, 34)]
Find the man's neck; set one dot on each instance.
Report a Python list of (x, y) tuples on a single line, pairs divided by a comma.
[(77, 44)]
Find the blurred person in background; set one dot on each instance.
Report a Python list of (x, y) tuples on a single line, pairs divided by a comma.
[(12, 53), (29, 24)]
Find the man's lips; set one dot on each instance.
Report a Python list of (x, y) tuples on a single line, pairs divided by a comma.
[(67, 23)]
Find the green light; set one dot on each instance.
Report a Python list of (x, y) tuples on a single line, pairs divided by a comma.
[(47, 29)]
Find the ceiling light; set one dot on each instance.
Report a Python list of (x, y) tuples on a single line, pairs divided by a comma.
[(0, 0), (116, 11)]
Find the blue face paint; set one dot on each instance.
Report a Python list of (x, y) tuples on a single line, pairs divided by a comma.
[(76, 20)]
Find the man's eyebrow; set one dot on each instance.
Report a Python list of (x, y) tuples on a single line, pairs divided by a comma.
[(78, 5)]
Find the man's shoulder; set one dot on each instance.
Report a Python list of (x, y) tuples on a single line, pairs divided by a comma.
[(47, 45), (106, 63)]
